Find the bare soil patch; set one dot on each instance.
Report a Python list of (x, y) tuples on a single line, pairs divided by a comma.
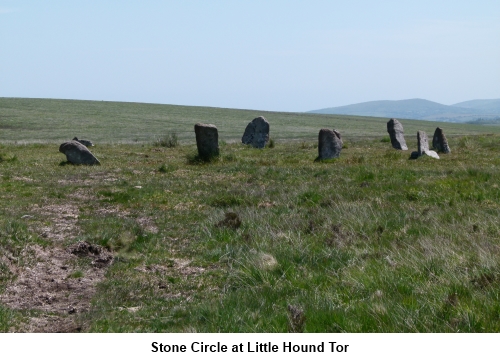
[(64, 218), (57, 285)]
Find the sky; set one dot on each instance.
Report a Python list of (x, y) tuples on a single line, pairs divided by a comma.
[(263, 55)]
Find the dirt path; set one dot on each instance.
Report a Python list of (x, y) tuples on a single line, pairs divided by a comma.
[(57, 283)]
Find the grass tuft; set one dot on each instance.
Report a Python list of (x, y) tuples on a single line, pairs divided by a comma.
[(168, 140)]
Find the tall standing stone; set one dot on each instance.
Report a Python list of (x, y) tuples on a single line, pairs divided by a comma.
[(329, 144), (395, 130), (256, 133), (423, 147), (77, 153), (207, 140), (423, 142), (439, 141)]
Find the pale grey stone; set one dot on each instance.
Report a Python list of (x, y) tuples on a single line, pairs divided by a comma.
[(77, 153), (432, 154), (329, 144), (395, 130), (207, 140), (423, 142), (423, 147), (256, 133)]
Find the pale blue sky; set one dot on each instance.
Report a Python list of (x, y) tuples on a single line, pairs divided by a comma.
[(265, 55)]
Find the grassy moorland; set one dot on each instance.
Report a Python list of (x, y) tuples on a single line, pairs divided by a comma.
[(41, 121), (368, 242)]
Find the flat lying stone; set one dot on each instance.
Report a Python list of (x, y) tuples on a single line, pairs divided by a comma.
[(431, 153)]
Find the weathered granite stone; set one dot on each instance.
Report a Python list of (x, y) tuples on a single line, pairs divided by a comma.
[(395, 130), (439, 141), (423, 142), (256, 133), (84, 142), (423, 147), (207, 140), (77, 153), (329, 144)]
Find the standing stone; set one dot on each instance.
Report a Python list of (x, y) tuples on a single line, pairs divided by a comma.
[(329, 144), (256, 133), (439, 142), (207, 140), (395, 130), (423, 143), (423, 147), (77, 153)]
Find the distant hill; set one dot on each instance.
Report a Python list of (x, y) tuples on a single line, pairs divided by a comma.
[(484, 105), (420, 109)]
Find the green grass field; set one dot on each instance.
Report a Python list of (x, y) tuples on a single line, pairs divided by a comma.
[(368, 242), (41, 121)]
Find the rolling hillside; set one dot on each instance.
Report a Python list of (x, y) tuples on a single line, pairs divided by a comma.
[(50, 120), (421, 109), (492, 106)]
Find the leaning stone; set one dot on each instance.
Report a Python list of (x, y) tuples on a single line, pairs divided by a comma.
[(329, 144), (439, 141), (423, 143), (395, 130), (84, 142), (77, 153), (256, 133), (207, 140)]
